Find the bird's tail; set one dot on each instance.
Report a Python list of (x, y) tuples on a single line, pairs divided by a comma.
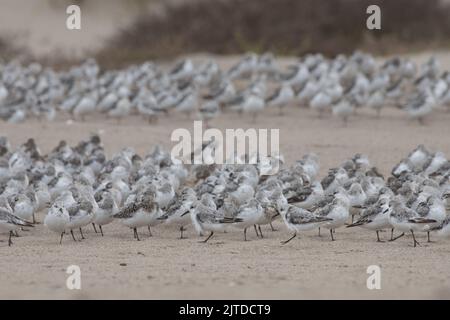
[(20, 222), (230, 220), (359, 223)]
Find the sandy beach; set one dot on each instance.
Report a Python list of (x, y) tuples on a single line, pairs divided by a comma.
[(116, 266)]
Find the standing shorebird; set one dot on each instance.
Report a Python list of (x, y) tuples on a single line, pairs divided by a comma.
[(281, 97), (57, 220), (375, 217), (298, 220), (205, 217), (10, 223), (177, 211), (406, 220)]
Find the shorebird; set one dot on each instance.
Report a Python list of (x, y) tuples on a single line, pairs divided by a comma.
[(337, 211), (343, 109), (81, 213), (22, 207), (308, 196), (357, 198), (243, 67), (248, 215), (139, 211), (85, 106), (121, 109), (421, 106), (223, 93), (406, 220), (375, 217), (10, 223), (281, 97), (209, 110), (177, 211), (242, 194), (298, 75), (107, 208), (321, 102), (184, 69), (443, 230), (57, 219), (205, 217), (298, 220), (108, 101), (433, 209), (188, 102)]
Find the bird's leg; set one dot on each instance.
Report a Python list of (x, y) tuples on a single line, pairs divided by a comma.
[(82, 236), (256, 230), (73, 237), (137, 234), (34, 218), (181, 232), (260, 232), (414, 238), (392, 234), (245, 234), (378, 236), (95, 229), (101, 230), (149, 231), (319, 232), (331, 233), (62, 235), (397, 237), (284, 242), (271, 226), (206, 240), (9, 240), (428, 236), (280, 111)]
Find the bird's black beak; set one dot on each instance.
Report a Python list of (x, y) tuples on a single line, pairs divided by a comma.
[(185, 213)]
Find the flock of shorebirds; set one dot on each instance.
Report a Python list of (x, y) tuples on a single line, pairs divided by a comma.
[(79, 187), (339, 86)]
